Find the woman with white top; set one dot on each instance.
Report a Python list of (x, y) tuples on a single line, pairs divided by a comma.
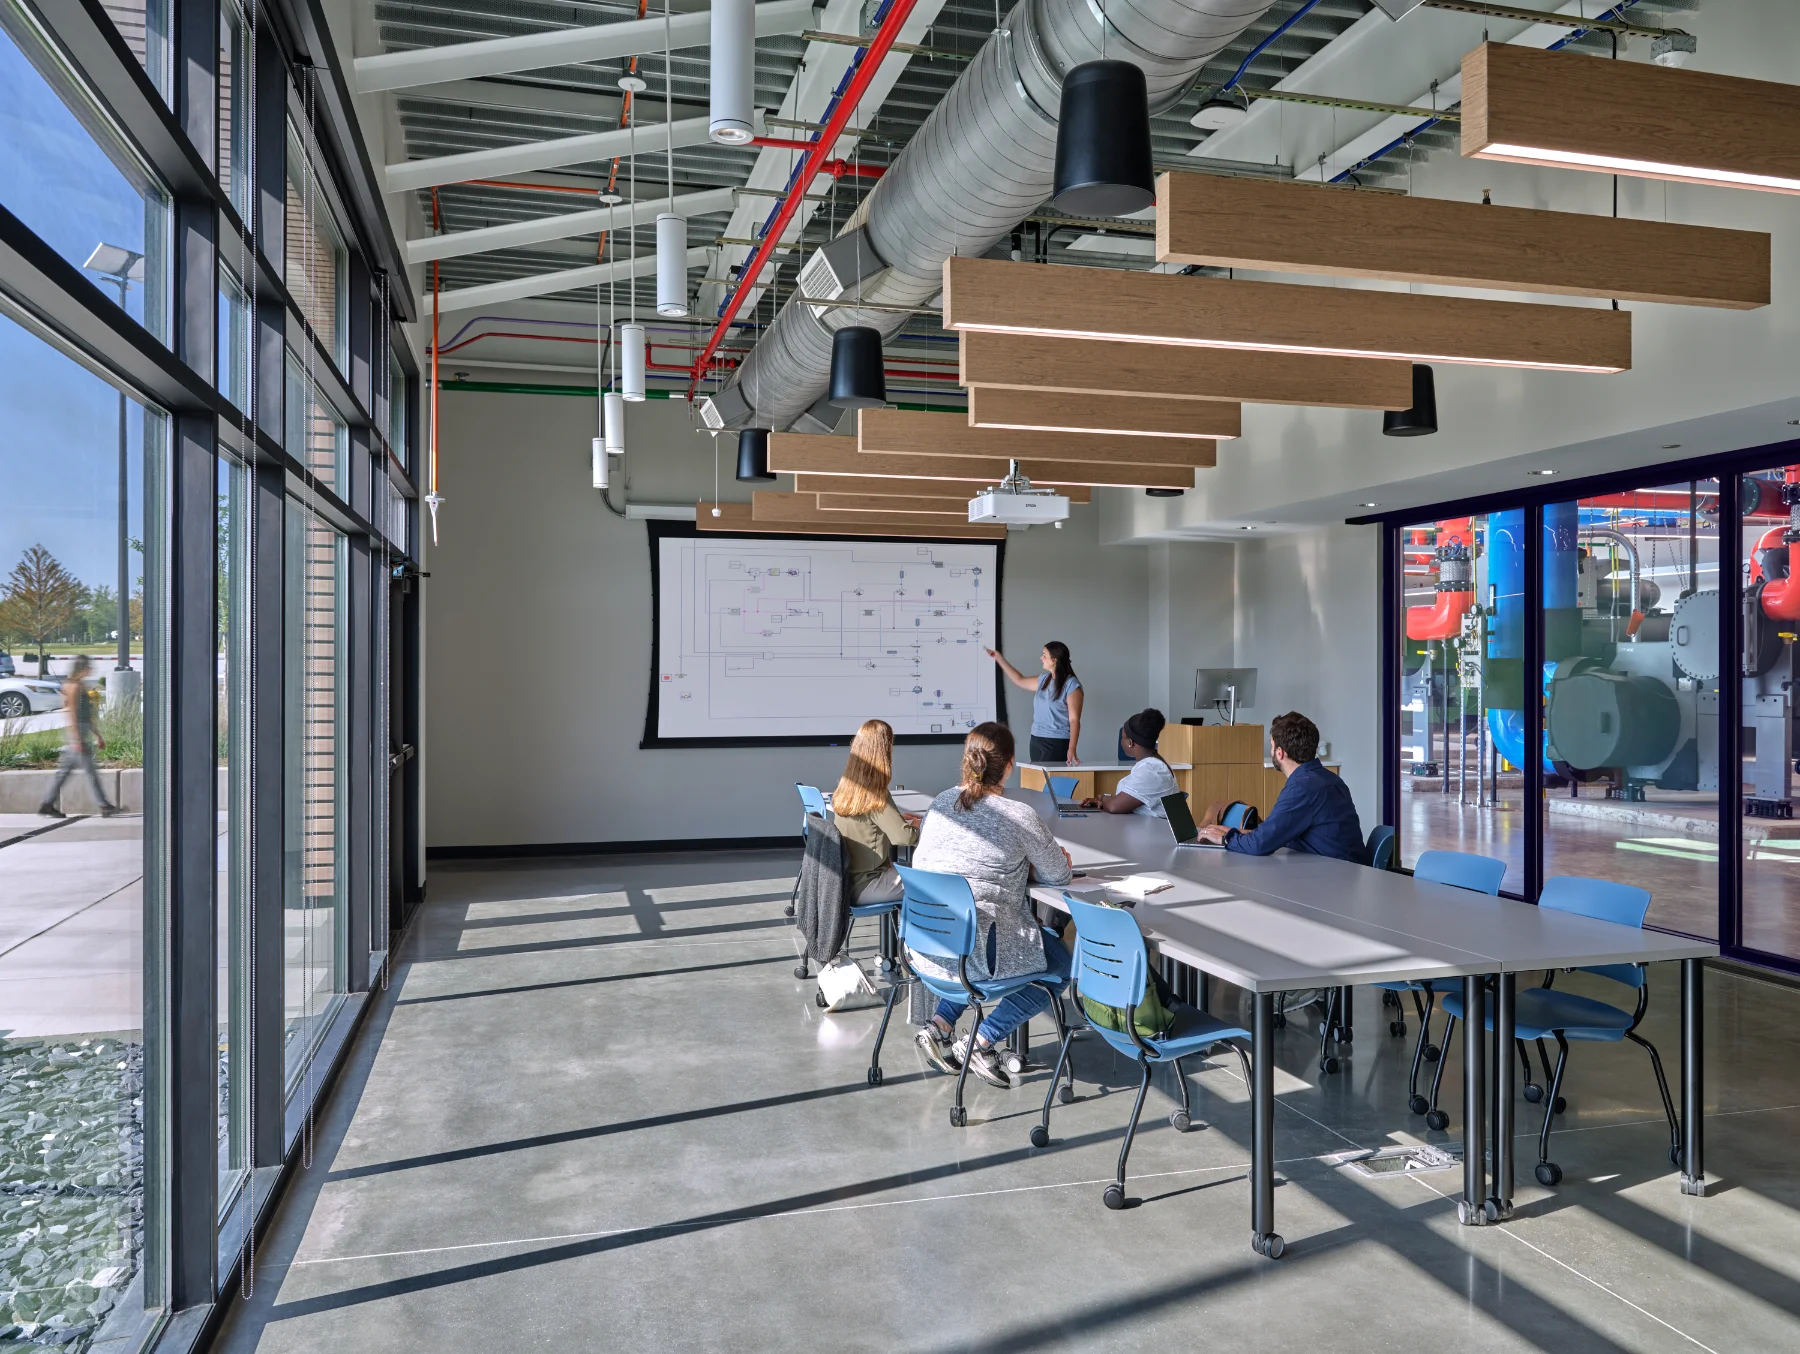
[(1149, 779), (1055, 703)]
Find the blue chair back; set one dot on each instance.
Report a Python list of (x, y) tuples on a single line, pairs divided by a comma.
[(1603, 900), (1236, 813), (1461, 870), (1110, 963), (1063, 787), (937, 914), (1381, 847), (812, 800)]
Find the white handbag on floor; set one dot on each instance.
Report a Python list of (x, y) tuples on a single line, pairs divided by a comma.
[(841, 983)]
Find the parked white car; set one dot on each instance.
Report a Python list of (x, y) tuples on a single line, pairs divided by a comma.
[(22, 696)]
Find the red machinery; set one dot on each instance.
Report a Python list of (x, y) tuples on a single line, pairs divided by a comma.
[(1455, 561)]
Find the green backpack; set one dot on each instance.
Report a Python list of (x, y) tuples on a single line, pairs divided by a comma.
[(1154, 1015)]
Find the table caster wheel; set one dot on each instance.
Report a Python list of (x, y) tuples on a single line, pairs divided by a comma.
[(1065, 1093), (1114, 1198), (1492, 1211), (1013, 1064), (819, 1000), (1433, 1053), (959, 1116), (1533, 1092), (885, 964), (874, 1076), (1040, 1136), (789, 910), (1397, 1028), (1179, 1118), (1269, 1245), (801, 972), (1346, 1036), (1675, 1156), (1437, 1119), (1548, 1173), (1418, 1104), (1328, 1065)]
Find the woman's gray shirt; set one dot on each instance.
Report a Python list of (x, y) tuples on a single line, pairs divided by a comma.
[(997, 846)]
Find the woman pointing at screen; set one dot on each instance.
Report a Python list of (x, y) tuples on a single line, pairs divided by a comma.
[(1055, 703)]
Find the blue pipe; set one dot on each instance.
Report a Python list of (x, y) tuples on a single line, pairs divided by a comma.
[(1506, 575)]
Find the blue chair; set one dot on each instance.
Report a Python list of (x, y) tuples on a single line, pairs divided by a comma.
[(938, 920), (1112, 967), (812, 801), (1381, 847), (1460, 870), (1063, 787), (1543, 1012), (1240, 815)]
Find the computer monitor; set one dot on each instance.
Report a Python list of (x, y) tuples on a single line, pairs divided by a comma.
[(1226, 690)]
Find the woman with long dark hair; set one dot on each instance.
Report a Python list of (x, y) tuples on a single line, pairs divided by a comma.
[(1055, 703)]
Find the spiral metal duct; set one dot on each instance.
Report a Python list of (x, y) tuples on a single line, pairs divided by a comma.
[(983, 160)]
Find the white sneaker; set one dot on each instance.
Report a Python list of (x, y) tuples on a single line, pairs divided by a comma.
[(938, 1050)]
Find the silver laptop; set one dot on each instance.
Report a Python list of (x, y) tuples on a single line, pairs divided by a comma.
[(1181, 823), (1061, 805)]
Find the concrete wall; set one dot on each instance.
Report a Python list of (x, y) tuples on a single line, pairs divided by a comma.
[(544, 747)]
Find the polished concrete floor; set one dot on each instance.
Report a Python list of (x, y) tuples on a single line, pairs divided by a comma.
[(596, 1111)]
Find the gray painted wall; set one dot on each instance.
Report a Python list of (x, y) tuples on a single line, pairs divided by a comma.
[(540, 640)]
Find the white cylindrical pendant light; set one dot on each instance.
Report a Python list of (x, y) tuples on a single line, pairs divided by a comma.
[(733, 72), (602, 471), (671, 264), (615, 424), (631, 373)]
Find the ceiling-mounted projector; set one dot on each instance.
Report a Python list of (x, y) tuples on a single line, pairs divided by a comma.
[(1014, 503)]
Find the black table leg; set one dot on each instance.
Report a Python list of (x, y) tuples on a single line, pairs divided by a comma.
[(1693, 1079), (1205, 995), (1469, 1209), (1499, 1204), (1263, 1238)]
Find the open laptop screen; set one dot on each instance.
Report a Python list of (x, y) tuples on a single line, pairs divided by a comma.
[(1181, 818)]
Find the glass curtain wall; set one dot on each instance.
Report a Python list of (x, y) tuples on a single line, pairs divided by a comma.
[(83, 728), (315, 436), (316, 786), (1631, 696), (318, 264), (233, 806)]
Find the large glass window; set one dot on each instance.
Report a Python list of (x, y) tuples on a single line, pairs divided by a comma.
[(315, 836), (234, 884), (318, 264), (1771, 867), (70, 175), (316, 437), (1631, 696), (82, 815), (234, 341), (144, 25), (396, 429), (234, 106)]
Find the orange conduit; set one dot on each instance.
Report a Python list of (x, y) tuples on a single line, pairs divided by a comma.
[(1455, 558)]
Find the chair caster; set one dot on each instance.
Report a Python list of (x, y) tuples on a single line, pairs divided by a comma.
[(801, 973), (1346, 1036), (1180, 1120), (1013, 1064), (1397, 1028), (959, 1116), (1433, 1053), (874, 1076), (885, 964), (788, 910), (1437, 1119), (1280, 1020), (1040, 1136), (1390, 999), (1114, 1198), (1533, 1092), (1548, 1173), (1418, 1104), (1268, 1244), (819, 1000), (1675, 1156), (1065, 1093), (1559, 1106), (1328, 1065)]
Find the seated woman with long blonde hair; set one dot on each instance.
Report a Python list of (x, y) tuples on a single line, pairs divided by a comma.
[(867, 818)]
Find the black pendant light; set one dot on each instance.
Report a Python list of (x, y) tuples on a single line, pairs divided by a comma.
[(753, 455), (1164, 493), (857, 380), (1421, 419), (1103, 162)]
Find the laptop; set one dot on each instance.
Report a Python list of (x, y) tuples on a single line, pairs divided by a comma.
[(1062, 785), (1181, 823)]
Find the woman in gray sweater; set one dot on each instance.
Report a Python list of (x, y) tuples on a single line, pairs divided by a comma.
[(999, 845)]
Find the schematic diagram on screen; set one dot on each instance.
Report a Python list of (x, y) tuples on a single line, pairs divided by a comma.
[(773, 638)]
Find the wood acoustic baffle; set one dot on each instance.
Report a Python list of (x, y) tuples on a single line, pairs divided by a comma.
[(1311, 228), (865, 503), (1158, 371), (810, 454), (870, 486), (904, 432), (1630, 117), (1216, 312), (768, 506), (737, 517), (1112, 415)]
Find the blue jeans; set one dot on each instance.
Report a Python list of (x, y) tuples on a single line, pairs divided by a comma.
[(1022, 1005)]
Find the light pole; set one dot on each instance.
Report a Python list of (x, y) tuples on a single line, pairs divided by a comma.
[(122, 267)]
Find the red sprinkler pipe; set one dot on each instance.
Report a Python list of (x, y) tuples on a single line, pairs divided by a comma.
[(872, 57), (1455, 558)]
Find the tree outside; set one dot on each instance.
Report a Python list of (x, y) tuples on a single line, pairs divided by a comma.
[(41, 602)]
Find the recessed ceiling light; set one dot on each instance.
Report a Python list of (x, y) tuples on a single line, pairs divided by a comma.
[(1543, 472), (1793, 421), (1671, 446), (1246, 528), (1216, 115), (1368, 505)]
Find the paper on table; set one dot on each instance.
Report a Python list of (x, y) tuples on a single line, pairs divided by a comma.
[(1142, 885)]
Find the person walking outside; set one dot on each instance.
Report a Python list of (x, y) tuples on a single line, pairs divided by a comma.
[(1055, 703), (81, 740)]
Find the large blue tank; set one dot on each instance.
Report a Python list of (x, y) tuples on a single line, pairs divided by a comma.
[(1506, 636)]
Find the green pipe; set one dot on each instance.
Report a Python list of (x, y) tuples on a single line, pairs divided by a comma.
[(591, 392)]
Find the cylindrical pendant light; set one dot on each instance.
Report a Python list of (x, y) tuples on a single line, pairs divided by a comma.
[(615, 424), (1103, 161), (671, 264), (602, 471), (753, 455), (1421, 419), (857, 379), (631, 357), (733, 72)]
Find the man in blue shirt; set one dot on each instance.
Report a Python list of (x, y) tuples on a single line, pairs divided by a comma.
[(1314, 811)]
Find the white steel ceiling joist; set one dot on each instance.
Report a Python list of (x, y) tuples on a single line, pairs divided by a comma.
[(564, 226), (561, 47), (532, 155), (546, 284)]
